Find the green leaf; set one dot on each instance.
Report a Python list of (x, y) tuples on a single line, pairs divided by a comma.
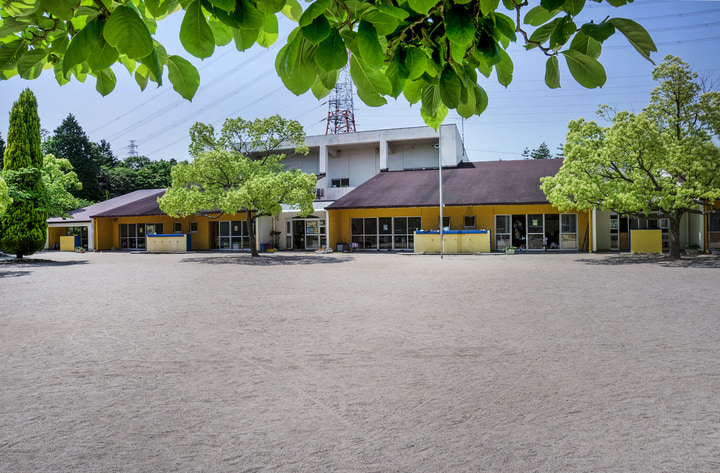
[(562, 33), (30, 64), (183, 76), (269, 32), (392, 10), (396, 74), (317, 8), (433, 110), (413, 90), (369, 46), (295, 65), (270, 7), (10, 52), (141, 76), (552, 72), (292, 10), (318, 30), (227, 5), (599, 32), (11, 26), (62, 9), (587, 71), (459, 26), (586, 45), (126, 31), (371, 84), (244, 38), (467, 108), (328, 79), (551, 5), (83, 44), (506, 26), (331, 53), (449, 87), (319, 90), (488, 6), (422, 6), (538, 15), (152, 62), (543, 33), (102, 55), (415, 62), (481, 99), (636, 34), (222, 33), (247, 16), (504, 69), (573, 7), (196, 35), (157, 8), (105, 81), (384, 23)]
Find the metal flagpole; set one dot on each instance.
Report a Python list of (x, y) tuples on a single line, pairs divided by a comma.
[(441, 203)]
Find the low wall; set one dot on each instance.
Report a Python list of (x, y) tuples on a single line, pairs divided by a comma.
[(168, 243), (454, 241), (645, 241)]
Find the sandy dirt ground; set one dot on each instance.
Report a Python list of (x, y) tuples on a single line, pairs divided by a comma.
[(217, 362)]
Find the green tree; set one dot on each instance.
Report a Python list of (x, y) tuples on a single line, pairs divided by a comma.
[(663, 160), (5, 199), (429, 51), (70, 142), (58, 179), (541, 152), (23, 225), (2, 151), (135, 173), (222, 179)]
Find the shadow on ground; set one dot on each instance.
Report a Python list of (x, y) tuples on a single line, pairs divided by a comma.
[(14, 274), (705, 261), (35, 262), (267, 260)]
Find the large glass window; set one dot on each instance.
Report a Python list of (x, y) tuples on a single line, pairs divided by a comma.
[(233, 235), (132, 235), (384, 233), (535, 231)]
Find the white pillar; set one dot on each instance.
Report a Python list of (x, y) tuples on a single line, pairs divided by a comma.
[(383, 154), (323, 165)]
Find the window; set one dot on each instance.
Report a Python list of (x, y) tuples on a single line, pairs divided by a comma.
[(233, 235), (177, 227), (384, 233), (446, 221), (469, 222), (193, 227), (340, 182), (503, 232), (132, 235), (568, 231)]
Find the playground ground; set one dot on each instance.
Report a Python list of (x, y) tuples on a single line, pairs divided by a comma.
[(205, 362)]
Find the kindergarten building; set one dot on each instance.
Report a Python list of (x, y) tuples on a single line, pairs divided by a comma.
[(374, 190)]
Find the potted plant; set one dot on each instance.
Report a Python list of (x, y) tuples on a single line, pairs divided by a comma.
[(79, 249), (691, 249), (510, 250)]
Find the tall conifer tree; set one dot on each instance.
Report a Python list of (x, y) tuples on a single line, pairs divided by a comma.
[(23, 226)]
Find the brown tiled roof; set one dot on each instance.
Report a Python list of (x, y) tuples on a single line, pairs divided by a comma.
[(483, 183)]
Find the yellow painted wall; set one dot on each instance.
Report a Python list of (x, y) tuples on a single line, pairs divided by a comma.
[(54, 234), (339, 220), (107, 229), (645, 241)]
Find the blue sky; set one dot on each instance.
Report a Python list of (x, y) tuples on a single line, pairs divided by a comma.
[(244, 84)]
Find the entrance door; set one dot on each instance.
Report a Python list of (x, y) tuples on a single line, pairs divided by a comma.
[(298, 237), (614, 232)]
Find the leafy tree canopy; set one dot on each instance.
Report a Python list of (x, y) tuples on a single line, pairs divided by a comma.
[(663, 160), (429, 51), (5, 199), (222, 180), (59, 178), (70, 142)]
